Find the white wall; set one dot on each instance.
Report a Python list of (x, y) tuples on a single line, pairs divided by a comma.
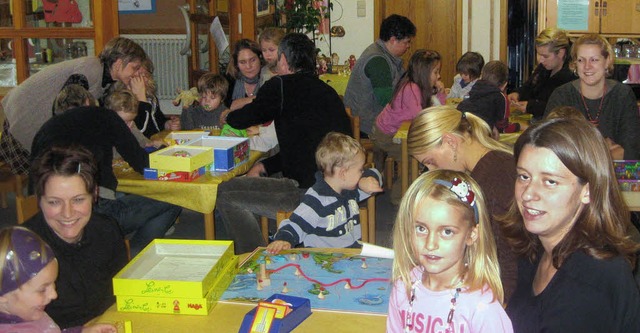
[(481, 37), (358, 30)]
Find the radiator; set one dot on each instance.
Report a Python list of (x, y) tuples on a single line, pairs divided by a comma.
[(170, 67)]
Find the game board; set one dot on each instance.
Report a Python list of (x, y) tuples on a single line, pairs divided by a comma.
[(332, 281)]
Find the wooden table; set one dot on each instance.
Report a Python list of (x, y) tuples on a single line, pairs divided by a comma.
[(198, 195)]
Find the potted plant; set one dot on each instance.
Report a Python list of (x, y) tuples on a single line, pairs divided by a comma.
[(302, 15)]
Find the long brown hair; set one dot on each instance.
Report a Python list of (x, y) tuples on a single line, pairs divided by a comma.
[(601, 227), (421, 65)]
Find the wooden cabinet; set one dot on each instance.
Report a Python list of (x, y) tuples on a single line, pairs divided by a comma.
[(26, 35), (614, 18)]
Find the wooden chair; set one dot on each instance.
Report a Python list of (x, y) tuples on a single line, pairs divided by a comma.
[(9, 183), (368, 228), (26, 207), (367, 144)]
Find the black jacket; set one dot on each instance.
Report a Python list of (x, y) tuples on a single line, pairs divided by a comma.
[(485, 101), (99, 130), (304, 109), (538, 88), (85, 269)]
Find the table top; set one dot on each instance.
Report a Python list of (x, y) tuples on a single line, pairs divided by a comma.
[(227, 317), (198, 195), (336, 81)]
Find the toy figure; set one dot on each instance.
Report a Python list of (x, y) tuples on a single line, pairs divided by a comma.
[(186, 97), (335, 59), (322, 65), (352, 61)]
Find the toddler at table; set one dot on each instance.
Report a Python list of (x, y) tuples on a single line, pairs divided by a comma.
[(469, 67), (445, 271), (213, 90), (488, 101), (29, 270), (328, 214)]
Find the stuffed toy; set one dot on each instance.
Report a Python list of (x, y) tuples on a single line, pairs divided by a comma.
[(186, 97)]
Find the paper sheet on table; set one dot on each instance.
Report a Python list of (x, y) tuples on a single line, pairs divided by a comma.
[(370, 250), (218, 36)]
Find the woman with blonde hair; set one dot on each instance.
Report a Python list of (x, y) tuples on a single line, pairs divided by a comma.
[(608, 104), (552, 47), (570, 225), (442, 137)]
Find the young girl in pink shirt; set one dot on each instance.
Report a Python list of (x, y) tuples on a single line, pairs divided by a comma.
[(414, 92), (445, 272)]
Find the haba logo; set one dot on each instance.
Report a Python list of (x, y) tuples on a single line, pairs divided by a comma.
[(194, 306)]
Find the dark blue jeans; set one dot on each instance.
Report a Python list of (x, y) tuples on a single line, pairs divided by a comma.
[(241, 199), (148, 218)]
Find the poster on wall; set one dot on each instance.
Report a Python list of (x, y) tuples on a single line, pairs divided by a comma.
[(573, 14), (262, 7), (136, 6)]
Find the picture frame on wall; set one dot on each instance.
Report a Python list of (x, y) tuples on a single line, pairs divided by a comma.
[(136, 6), (262, 7)]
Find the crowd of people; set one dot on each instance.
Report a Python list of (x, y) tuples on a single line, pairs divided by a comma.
[(490, 238)]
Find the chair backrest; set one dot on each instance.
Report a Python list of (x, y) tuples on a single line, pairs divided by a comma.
[(355, 123), (26, 207)]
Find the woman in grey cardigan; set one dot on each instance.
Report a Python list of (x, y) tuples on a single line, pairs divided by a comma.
[(29, 105)]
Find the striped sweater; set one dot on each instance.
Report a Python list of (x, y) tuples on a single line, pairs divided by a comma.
[(325, 218)]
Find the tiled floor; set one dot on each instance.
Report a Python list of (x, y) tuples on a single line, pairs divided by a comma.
[(191, 224)]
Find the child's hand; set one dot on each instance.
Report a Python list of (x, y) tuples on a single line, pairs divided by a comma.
[(253, 130), (257, 170), (173, 124), (99, 328), (369, 185), (439, 86), (277, 246)]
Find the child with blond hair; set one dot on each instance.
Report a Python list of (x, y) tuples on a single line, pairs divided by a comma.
[(445, 271), (328, 214)]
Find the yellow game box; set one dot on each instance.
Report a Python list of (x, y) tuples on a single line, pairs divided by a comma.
[(181, 305), (183, 137), (181, 158), (174, 268)]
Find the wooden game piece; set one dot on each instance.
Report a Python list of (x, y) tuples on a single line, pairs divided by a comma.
[(364, 263), (347, 285), (321, 293), (284, 288), (266, 281)]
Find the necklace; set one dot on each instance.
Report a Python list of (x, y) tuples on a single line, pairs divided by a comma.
[(594, 120), (408, 323)]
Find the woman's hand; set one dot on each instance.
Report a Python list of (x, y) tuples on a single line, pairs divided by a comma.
[(138, 87), (277, 246), (257, 170), (241, 102), (223, 117)]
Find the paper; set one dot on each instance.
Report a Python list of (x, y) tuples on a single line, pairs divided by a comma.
[(219, 36), (370, 250), (573, 14)]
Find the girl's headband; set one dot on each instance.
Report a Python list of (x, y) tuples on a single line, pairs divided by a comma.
[(463, 191), (26, 256)]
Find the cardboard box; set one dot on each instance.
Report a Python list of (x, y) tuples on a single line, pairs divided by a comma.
[(181, 305), (267, 320), (627, 169), (178, 176), (228, 152), (181, 158), (174, 268), (183, 137)]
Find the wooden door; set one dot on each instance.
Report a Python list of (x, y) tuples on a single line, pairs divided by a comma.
[(549, 8), (620, 17), (438, 28)]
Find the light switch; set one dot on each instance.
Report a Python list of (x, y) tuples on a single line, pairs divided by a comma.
[(362, 8)]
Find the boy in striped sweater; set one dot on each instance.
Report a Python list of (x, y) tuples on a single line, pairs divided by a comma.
[(328, 214)]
